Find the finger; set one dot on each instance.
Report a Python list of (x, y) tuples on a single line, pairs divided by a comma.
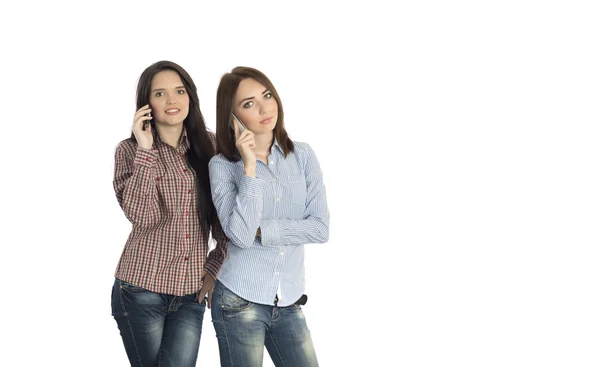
[(202, 294), (247, 132), (142, 111), (209, 302), (244, 135), (139, 122), (248, 139), (144, 107)]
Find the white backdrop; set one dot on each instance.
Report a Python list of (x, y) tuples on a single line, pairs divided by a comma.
[(459, 144)]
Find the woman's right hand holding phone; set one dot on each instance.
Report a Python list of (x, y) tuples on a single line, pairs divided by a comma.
[(245, 144), (144, 137)]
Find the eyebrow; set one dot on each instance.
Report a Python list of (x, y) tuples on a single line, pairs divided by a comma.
[(159, 89), (249, 98)]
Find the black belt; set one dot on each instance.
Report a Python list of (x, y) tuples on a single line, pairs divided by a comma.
[(300, 302)]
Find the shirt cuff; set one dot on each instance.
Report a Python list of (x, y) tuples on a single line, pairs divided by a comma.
[(251, 186), (212, 268), (145, 157), (269, 232)]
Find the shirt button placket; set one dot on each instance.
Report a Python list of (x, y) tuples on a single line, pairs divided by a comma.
[(186, 213)]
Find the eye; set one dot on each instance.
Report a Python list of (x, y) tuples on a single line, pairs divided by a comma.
[(158, 94), (248, 104), (268, 95), (181, 91)]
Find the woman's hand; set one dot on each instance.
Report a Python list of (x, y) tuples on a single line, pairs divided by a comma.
[(208, 286), (144, 137), (245, 144)]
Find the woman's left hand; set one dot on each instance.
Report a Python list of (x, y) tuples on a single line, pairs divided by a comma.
[(208, 285)]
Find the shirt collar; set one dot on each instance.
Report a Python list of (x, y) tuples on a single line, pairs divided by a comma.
[(276, 144), (184, 143)]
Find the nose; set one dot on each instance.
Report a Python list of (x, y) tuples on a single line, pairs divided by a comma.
[(262, 108), (171, 98)]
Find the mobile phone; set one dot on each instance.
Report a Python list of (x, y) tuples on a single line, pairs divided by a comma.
[(146, 123), (241, 126)]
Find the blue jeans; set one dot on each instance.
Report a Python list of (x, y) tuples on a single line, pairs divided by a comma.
[(245, 328), (157, 329)]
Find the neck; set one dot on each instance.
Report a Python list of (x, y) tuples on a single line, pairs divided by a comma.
[(263, 142), (170, 134)]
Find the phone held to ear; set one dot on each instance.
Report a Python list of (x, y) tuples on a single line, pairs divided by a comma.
[(146, 123), (241, 126)]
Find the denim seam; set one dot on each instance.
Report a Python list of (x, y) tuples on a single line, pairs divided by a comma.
[(225, 331), (137, 353), (277, 349)]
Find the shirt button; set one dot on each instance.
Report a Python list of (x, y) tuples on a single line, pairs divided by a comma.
[(276, 273), (184, 170), (281, 253), (158, 179), (272, 163), (187, 236), (185, 258), (148, 159), (189, 191), (277, 199)]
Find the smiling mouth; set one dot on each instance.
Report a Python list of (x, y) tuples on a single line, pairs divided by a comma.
[(172, 111)]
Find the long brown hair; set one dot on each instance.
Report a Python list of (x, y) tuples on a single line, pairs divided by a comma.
[(226, 93), (201, 148)]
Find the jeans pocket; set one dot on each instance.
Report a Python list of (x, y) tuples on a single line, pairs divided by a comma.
[(232, 302), (193, 298), (131, 287), (133, 299)]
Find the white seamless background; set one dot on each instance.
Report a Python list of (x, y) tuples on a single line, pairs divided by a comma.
[(458, 141)]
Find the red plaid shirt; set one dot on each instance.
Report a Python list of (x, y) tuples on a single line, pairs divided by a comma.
[(167, 249)]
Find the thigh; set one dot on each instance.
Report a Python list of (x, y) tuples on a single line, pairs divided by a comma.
[(288, 341), (240, 326), (140, 315), (183, 328)]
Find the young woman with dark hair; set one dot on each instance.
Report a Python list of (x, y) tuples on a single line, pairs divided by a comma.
[(162, 184), (270, 197)]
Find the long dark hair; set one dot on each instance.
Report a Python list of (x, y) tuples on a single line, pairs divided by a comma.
[(225, 93), (201, 147)]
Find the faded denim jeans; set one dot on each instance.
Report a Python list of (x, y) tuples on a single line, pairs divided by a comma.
[(244, 329), (157, 329)]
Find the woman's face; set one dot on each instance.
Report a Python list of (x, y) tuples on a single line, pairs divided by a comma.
[(255, 106), (169, 100)]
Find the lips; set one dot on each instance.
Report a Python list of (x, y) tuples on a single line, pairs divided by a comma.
[(267, 120), (172, 111)]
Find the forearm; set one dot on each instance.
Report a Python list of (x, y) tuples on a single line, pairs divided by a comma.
[(244, 220), (135, 185), (289, 232), (238, 201), (217, 256)]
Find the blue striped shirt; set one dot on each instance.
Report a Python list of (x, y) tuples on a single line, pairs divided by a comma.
[(287, 201)]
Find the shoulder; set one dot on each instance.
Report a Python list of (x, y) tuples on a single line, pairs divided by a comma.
[(220, 160), (303, 150), (220, 167), (302, 147), (127, 147), (305, 154)]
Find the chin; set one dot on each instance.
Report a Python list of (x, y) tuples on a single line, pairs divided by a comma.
[(171, 123), (268, 129)]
